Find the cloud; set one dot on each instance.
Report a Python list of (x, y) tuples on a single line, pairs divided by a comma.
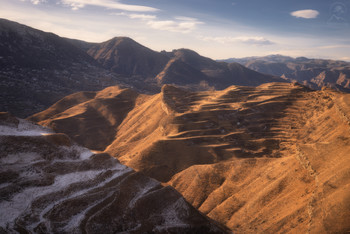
[(306, 14), (178, 24), (345, 59), (142, 16), (136, 16), (334, 46), (35, 2), (181, 24), (246, 40), (77, 4)]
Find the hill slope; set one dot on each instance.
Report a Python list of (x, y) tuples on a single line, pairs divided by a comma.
[(51, 185), (38, 68), (272, 158)]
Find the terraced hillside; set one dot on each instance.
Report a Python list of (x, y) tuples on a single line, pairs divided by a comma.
[(48, 184), (272, 158)]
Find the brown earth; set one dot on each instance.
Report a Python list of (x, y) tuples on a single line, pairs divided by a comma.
[(266, 159)]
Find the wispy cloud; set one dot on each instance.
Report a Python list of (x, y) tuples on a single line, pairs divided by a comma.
[(306, 14), (178, 24), (345, 59), (334, 46), (35, 2), (136, 16), (77, 4), (251, 40), (142, 16)]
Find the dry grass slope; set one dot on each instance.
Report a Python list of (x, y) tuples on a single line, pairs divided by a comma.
[(266, 159)]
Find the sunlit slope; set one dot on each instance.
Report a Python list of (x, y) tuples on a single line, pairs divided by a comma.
[(271, 158)]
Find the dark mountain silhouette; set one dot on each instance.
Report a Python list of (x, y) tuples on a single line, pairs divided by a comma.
[(315, 73), (49, 184), (39, 68)]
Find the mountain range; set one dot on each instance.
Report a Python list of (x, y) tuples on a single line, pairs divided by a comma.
[(266, 159), (121, 138), (38, 68), (314, 73)]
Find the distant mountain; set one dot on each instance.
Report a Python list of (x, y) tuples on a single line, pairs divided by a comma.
[(182, 67), (218, 75), (127, 57), (39, 68), (266, 159), (314, 73), (49, 184)]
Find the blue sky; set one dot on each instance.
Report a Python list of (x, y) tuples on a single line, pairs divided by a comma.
[(215, 28)]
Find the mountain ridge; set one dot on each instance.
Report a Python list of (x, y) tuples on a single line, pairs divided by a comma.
[(39, 68), (315, 73), (271, 158)]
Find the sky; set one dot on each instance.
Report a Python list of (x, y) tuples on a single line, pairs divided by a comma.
[(218, 29)]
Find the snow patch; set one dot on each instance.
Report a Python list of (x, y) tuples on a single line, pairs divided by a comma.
[(27, 158), (83, 152), (81, 215), (171, 215), (143, 190), (24, 128), (20, 203)]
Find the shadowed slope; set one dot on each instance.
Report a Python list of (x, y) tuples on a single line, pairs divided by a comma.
[(222, 74), (125, 56), (39, 68), (50, 185), (149, 70)]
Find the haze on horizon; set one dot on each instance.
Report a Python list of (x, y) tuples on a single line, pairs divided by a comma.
[(216, 29)]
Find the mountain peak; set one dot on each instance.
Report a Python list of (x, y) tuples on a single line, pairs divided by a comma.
[(122, 39)]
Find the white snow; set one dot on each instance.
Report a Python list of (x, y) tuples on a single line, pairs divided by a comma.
[(12, 209), (20, 203), (83, 152), (30, 157), (24, 128), (70, 226), (147, 187), (171, 215)]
